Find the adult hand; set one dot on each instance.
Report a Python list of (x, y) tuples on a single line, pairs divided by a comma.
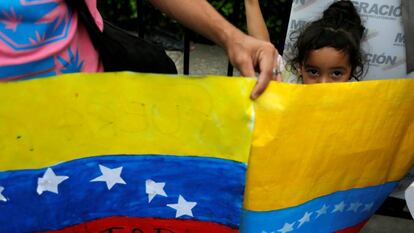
[(248, 55)]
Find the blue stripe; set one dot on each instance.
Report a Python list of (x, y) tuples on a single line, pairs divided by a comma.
[(44, 67), (216, 185), (274, 221)]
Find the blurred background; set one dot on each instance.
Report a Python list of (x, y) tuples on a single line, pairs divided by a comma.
[(159, 29)]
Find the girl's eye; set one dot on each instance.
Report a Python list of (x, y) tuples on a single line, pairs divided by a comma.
[(337, 74), (312, 72)]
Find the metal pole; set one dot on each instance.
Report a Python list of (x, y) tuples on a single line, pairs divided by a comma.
[(186, 68), (233, 19), (140, 14)]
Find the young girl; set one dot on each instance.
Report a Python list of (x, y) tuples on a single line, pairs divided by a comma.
[(326, 50)]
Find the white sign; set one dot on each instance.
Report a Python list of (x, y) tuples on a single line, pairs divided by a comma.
[(409, 198), (384, 44)]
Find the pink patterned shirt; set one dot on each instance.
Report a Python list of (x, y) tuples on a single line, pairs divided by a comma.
[(41, 38)]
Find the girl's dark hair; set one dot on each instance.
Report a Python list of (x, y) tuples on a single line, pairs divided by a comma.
[(341, 28)]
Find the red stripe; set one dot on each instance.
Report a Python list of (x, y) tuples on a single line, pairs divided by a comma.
[(145, 225), (354, 229)]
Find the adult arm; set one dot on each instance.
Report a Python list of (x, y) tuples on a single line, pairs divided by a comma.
[(256, 26), (245, 52)]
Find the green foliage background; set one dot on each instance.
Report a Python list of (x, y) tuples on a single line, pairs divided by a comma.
[(124, 14)]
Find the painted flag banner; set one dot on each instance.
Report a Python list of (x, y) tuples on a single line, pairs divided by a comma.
[(324, 157), (134, 153), (123, 153)]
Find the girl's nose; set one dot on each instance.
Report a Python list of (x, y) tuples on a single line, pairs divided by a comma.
[(324, 79)]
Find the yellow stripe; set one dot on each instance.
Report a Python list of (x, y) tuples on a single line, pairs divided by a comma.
[(312, 140), (47, 121)]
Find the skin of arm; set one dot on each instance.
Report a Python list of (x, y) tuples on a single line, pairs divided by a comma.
[(245, 52), (256, 26)]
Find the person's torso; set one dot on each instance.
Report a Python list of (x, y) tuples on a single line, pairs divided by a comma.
[(43, 38)]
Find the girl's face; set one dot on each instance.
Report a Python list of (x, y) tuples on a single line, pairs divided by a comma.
[(326, 65)]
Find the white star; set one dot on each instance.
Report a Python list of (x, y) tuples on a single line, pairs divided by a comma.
[(304, 219), (323, 210), (183, 207), (354, 206), (2, 198), (49, 182), (368, 207), (110, 176), (153, 189), (286, 228), (339, 207)]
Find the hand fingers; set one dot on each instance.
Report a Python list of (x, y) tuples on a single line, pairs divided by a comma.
[(266, 64), (277, 76), (246, 67), (264, 79)]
